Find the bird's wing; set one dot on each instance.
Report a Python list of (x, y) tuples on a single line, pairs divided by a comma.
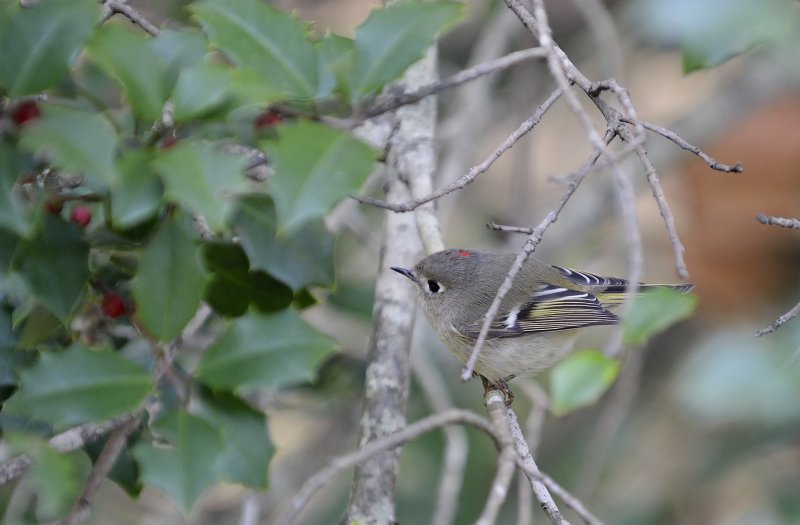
[(551, 308)]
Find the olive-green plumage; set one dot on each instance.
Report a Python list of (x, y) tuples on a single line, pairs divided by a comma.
[(538, 319)]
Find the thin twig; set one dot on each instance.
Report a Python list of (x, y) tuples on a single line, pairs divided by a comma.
[(103, 465), (336, 465), (121, 6), (533, 437), (528, 465), (680, 142), (783, 222), (530, 245), (473, 172), (780, 321), (495, 402), (666, 213), (569, 500), (466, 75), (66, 441)]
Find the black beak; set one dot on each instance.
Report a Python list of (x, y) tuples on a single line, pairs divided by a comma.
[(407, 273)]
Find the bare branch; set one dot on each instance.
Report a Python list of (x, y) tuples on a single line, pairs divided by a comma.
[(780, 321), (674, 137), (495, 402), (111, 7), (528, 465), (778, 221), (466, 75), (336, 465), (666, 213), (473, 172), (531, 243), (569, 500), (111, 450)]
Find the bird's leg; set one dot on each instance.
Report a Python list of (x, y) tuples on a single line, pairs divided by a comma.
[(501, 385)]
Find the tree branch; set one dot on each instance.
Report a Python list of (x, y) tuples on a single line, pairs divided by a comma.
[(290, 513), (466, 75), (111, 7), (473, 172)]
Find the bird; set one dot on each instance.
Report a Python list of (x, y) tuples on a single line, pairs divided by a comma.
[(538, 320)]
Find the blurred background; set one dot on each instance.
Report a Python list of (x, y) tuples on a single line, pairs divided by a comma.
[(703, 425)]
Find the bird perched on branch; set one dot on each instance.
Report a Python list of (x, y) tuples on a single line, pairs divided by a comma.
[(538, 319)]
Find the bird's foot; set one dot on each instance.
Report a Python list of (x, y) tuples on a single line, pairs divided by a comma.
[(501, 385)]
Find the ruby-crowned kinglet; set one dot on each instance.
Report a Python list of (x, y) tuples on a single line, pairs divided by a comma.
[(538, 319)]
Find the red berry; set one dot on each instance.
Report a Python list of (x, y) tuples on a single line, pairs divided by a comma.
[(54, 206), (81, 215), (268, 119), (113, 306), (24, 112)]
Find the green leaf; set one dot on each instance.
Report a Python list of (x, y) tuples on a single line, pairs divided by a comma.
[(393, 38), (713, 31), (135, 190), (55, 478), (248, 447), (178, 50), (302, 259), (54, 264), (202, 178), (271, 42), (264, 351), (39, 325), (12, 208), (39, 44), (188, 466), (233, 286), (170, 281), (127, 56), (79, 385), (74, 140), (654, 311), (581, 379), (315, 167), (200, 89), (335, 56)]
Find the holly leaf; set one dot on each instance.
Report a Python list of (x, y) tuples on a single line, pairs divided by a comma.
[(264, 351), (393, 38), (315, 167), (234, 287), (135, 190), (200, 89), (580, 380), (248, 447), (74, 140), (302, 259), (54, 264), (127, 56), (202, 178), (653, 312), (79, 385), (40, 43), (178, 50), (188, 464), (170, 280), (271, 42)]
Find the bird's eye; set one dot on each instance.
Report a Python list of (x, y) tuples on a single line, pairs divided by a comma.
[(433, 286)]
